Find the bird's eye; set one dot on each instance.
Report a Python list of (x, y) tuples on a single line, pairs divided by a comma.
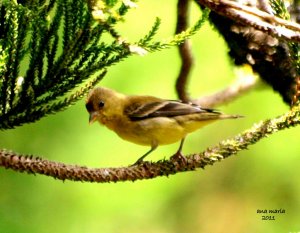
[(101, 104)]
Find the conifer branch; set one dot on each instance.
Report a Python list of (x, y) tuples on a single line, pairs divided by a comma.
[(59, 62)]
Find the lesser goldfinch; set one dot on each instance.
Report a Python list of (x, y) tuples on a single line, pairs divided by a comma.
[(148, 120)]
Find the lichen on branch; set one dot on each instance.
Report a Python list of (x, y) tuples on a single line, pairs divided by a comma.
[(150, 170)]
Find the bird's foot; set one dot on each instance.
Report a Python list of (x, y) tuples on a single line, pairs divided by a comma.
[(179, 157), (138, 162), (141, 162)]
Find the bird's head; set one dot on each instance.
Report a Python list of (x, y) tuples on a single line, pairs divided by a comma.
[(102, 103)]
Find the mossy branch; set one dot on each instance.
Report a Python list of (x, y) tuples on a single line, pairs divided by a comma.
[(150, 170)]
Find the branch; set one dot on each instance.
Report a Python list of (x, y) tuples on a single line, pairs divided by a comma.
[(236, 89), (149, 170), (184, 51), (255, 18)]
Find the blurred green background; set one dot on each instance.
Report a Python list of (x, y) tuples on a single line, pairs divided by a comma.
[(222, 198)]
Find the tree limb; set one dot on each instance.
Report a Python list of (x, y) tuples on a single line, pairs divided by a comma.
[(239, 87), (149, 170)]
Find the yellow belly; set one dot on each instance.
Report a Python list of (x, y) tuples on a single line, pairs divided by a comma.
[(151, 132), (154, 131)]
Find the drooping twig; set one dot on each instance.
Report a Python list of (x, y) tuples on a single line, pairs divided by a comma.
[(184, 51), (236, 89), (149, 170)]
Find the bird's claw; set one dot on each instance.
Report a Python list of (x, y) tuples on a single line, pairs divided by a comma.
[(138, 162), (179, 157)]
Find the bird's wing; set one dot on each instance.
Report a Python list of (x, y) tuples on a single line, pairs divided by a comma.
[(165, 108)]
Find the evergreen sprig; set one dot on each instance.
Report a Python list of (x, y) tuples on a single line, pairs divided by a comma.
[(279, 9), (60, 42), (177, 39)]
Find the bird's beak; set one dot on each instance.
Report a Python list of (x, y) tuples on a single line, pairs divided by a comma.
[(92, 117)]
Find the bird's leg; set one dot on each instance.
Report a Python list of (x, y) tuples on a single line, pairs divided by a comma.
[(178, 155), (140, 160)]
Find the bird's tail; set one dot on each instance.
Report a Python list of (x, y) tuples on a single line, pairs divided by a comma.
[(226, 116)]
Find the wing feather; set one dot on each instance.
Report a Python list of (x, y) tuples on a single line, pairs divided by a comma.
[(163, 108)]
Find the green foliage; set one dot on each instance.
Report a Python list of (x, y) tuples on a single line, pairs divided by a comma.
[(64, 45), (177, 39), (281, 11)]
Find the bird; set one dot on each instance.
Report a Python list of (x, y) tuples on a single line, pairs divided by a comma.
[(148, 120)]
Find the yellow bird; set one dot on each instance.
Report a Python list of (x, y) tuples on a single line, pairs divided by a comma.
[(148, 120)]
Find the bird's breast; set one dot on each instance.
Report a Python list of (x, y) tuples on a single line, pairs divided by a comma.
[(158, 130)]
